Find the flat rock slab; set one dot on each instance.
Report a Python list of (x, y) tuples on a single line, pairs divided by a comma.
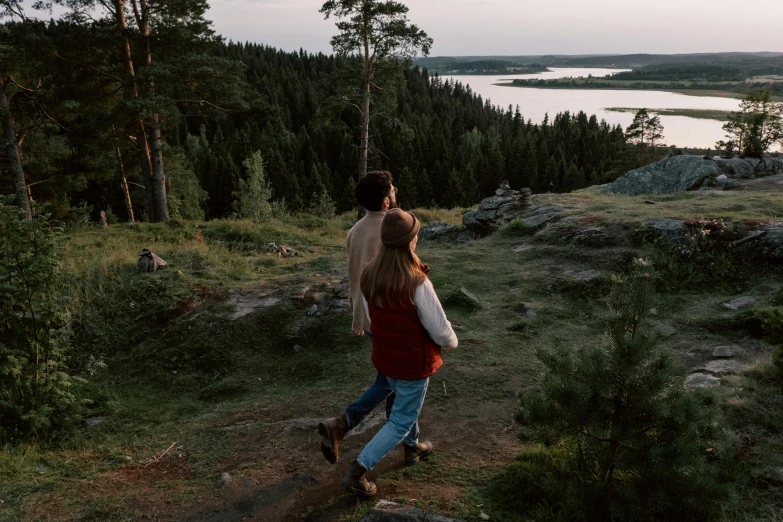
[(436, 229), (740, 302), (701, 380), (339, 304), (587, 276), (386, 511), (664, 330), (248, 301), (543, 215), (723, 352), (723, 366), (96, 421)]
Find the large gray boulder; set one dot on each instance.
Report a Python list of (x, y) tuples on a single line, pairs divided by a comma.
[(506, 205), (675, 174)]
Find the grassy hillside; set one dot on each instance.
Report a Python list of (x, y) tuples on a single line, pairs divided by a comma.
[(189, 392)]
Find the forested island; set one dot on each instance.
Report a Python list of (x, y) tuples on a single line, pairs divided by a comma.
[(447, 65), (713, 74)]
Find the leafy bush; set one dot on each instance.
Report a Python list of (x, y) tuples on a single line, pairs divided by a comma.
[(771, 318), (35, 396), (761, 321), (705, 256), (639, 445)]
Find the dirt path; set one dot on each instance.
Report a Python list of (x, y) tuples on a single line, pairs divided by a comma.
[(291, 481)]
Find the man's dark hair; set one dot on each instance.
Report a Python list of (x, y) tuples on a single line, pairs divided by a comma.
[(372, 188)]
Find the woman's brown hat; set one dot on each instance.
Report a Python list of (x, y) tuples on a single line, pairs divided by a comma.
[(398, 228)]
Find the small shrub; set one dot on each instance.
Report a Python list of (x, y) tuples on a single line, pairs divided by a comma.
[(705, 256), (516, 228), (762, 322), (771, 323), (639, 443), (254, 194), (540, 483), (35, 387), (322, 205)]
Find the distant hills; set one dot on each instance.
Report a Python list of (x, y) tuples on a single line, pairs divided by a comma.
[(450, 65), (438, 63)]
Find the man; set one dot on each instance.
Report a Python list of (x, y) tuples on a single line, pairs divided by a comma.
[(376, 194)]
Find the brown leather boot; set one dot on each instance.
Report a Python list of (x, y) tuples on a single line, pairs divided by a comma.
[(332, 433), (417, 453), (356, 483)]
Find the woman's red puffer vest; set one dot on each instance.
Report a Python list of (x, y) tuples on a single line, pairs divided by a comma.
[(401, 346)]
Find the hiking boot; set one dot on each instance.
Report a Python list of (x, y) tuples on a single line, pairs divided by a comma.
[(416, 453), (356, 483), (332, 432)]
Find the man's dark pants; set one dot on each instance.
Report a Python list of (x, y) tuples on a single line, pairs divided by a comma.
[(378, 392)]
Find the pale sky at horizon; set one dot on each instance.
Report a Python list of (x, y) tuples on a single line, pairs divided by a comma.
[(514, 27)]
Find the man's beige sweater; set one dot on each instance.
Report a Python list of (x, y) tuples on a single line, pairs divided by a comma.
[(364, 244)]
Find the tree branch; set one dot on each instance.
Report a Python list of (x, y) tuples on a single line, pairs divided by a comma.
[(208, 104), (95, 69)]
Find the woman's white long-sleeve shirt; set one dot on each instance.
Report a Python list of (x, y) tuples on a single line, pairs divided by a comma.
[(431, 315)]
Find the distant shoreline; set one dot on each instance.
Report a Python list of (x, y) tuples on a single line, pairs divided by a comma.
[(699, 114), (562, 85), (485, 73)]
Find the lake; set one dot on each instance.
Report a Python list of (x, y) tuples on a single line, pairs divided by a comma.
[(681, 131)]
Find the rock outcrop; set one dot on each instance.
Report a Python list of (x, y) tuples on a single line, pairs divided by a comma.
[(436, 229), (766, 242), (675, 174), (506, 205), (671, 231), (687, 172), (750, 241), (746, 167)]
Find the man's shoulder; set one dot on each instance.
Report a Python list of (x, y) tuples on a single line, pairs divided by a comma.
[(365, 226)]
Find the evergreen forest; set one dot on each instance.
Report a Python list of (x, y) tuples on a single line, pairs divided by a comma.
[(215, 104)]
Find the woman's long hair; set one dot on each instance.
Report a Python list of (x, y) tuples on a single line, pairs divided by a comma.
[(394, 275)]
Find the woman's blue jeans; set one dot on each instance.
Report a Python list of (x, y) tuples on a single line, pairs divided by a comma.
[(402, 425)]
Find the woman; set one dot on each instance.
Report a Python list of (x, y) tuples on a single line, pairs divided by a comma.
[(408, 330)]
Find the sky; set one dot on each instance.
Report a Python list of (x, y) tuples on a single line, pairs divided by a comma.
[(521, 27)]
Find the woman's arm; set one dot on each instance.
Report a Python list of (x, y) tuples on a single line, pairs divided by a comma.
[(432, 316)]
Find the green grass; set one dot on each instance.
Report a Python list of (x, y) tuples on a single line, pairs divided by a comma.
[(745, 205), (227, 372)]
